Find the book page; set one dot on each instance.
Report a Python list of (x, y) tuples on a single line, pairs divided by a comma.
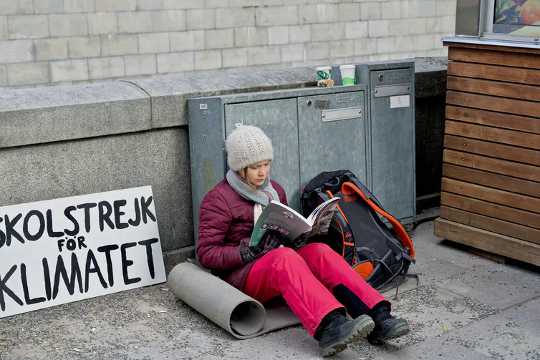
[(322, 216), (280, 218)]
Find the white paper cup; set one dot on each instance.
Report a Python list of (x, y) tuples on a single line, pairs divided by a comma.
[(347, 74), (323, 73)]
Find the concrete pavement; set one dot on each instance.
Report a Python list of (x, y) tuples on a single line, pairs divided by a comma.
[(466, 307)]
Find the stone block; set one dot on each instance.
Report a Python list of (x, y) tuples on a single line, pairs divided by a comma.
[(378, 28), (184, 4), (16, 51), (318, 13), (3, 28), (3, 75), (51, 49), (28, 73), (84, 47), (391, 10), (341, 48), (187, 40), (154, 43), (276, 15), (219, 39), (250, 36), (365, 46), (416, 26), (326, 32), (79, 6), (386, 45), (201, 19), (119, 45), (175, 62), (156, 158), (135, 22), (28, 26), (48, 114), (234, 57), (299, 33), (292, 53), (278, 35), (170, 20), (264, 55), (140, 64), (317, 51), (68, 25), (205, 60), (399, 26), (447, 25), (116, 5), (107, 67), (235, 17), (371, 10), (445, 8), (356, 29), (150, 5), (427, 8), (48, 6), (69, 70), (169, 92), (19, 7), (102, 23), (349, 12)]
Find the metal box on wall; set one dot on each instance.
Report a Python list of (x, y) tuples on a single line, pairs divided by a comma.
[(391, 140), (312, 130)]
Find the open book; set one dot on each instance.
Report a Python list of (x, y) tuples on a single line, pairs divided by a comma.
[(290, 223)]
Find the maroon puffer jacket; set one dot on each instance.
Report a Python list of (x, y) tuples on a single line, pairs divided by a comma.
[(225, 220)]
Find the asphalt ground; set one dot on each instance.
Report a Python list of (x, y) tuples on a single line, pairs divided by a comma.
[(466, 306)]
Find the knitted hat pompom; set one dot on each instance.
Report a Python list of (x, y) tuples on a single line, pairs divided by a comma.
[(247, 145)]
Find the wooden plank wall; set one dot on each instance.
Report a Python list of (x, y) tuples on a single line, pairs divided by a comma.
[(491, 163)]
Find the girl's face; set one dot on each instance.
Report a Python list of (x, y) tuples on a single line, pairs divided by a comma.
[(255, 175)]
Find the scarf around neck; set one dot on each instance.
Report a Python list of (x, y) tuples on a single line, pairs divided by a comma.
[(262, 195)]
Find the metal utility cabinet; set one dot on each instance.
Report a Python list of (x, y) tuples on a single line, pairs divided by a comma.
[(312, 130), (392, 175)]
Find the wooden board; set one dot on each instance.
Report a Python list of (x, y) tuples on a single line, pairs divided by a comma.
[(498, 181), (492, 118), (501, 151), (493, 103), (489, 241), (491, 47), (494, 72), (494, 88), (496, 211), (504, 136), (487, 223), (488, 194), (522, 171), (482, 56)]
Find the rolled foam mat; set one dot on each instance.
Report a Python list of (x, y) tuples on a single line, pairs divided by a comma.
[(228, 307)]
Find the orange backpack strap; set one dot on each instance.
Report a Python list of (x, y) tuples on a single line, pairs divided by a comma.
[(348, 188)]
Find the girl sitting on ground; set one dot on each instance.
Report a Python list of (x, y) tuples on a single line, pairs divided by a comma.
[(317, 284)]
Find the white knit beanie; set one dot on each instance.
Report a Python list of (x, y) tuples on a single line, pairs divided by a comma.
[(247, 145)]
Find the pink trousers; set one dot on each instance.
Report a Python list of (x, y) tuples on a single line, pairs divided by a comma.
[(305, 279)]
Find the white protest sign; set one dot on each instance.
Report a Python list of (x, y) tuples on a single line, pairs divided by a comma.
[(58, 251)]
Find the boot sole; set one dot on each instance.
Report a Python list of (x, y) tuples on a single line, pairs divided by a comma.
[(364, 325), (395, 333)]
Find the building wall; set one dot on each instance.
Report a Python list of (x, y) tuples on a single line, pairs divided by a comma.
[(65, 41)]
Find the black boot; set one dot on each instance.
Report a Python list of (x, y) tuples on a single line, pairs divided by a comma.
[(386, 326), (336, 331)]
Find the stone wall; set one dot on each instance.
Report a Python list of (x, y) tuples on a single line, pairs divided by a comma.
[(65, 41), (86, 138)]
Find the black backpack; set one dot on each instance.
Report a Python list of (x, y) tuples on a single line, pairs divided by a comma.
[(359, 230)]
